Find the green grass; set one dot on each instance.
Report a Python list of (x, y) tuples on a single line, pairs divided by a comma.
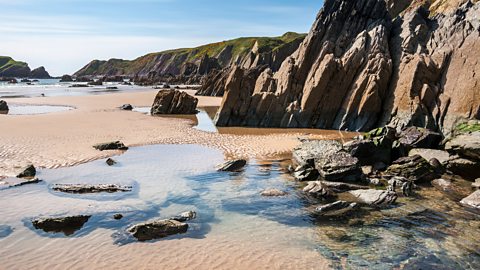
[(7, 64), (467, 128)]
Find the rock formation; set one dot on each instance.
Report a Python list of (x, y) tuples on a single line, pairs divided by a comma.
[(358, 68), (12, 68), (40, 73), (174, 102)]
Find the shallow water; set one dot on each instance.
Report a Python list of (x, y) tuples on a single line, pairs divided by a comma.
[(236, 228), (29, 109)]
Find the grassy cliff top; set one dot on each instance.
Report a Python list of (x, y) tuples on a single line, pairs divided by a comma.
[(238, 47), (7, 63)]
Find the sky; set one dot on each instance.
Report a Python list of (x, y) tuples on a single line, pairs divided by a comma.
[(64, 35)]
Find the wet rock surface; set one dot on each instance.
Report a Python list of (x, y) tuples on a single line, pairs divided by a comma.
[(88, 188), (336, 208), (157, 229), (414, 168), (317, 190), (272, 192), (174, 102), (126, 107), (375, 197), (232, 165), (117, 145), (473, 200), (67, 225)]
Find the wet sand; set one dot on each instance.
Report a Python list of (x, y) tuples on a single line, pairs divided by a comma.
[(65, 138)]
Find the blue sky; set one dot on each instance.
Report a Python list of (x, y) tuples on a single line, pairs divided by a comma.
[(64, 35)]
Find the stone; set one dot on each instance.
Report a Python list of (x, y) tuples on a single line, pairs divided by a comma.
[(375, 197), (464, 167), (28, 172), (428, 154), (370, 151), (110, 162), (117, 145), (306, 173), (476, 184), (414, 168), (11, 182), (448, 187), (174, 102), (117, 216), (157, 229), (317, 190), (89, 188), (273, 192), (232, 165), (126, 107), (415, 137), (185, 216), (4, 106), (466, 145), (40, 73), (336, 208), (67, 225), (66, 78), (473, 200)]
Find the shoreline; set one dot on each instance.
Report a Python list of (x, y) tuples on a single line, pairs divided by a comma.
[(63, 139)]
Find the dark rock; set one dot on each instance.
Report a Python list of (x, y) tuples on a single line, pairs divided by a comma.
[(186, 216), (466, 168), (376, 146), (118, 216), (473, 200), (375, 197), (67, 225), (317, 190), (66, 78), (17, 182), (111, 88), (3, 106), (414, 168), (174, 102), (428, 154), (232, 165), (87, 188), (157, 229), (28, 172), (126, 107), (78, 85), (272, 192), (166, 86), (415, 137), (110, 162), (117, 145), (466, 145), (336, 208), (306, 173), (476, 185), (96, 83), (40, 73)]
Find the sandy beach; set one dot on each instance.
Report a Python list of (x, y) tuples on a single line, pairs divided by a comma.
[(66, 138)]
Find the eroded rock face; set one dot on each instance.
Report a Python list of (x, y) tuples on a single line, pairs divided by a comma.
[(414, 168), (358, 69), (157, 229), (174, 102)]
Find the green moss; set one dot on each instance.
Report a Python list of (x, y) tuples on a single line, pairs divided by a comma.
[(468, 127)]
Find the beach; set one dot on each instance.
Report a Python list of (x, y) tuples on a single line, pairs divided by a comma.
[(66, 138)]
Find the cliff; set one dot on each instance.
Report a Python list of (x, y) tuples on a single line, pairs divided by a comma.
[(245, 52), (360, 67), (12, 68)]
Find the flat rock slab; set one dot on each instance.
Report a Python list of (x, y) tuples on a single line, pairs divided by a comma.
[(67, 225), (117, 145), (157, 229), (232, 165), (414, 168), (336, 208), (467, 145), (273, 192), (375, 197), (473, 200), (10, 182), (429, 154), (87, 188)]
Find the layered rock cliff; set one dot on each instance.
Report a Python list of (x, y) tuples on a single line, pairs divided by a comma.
[(12, 68), (200, 61), (358, 68)]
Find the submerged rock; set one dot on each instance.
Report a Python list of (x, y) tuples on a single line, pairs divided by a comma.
[(232, 165), (339, 187), (473, 200), (3, 106), (117, 145), (157, 229), (185, 216), (414, 168), (174, 102), (67, 225), (28, 172), (126, 107), (87, 188), (273, 192), (336, 208), (375, 197)]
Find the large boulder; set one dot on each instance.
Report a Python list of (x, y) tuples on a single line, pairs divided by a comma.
[(466, 145), (473, 200), (414, 168), (3, 106), (67, 225), (374, 197), (157, 229), (174, 102)]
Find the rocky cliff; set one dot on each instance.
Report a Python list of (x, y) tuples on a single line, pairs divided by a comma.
[(12, 68), (200, 61), (359, 68)]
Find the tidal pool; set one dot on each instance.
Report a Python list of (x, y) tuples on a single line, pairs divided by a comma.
[(32, 109), (236, 227)]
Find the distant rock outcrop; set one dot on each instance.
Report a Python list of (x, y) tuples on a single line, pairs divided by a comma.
[(358, 68), (12, 68), (40, 73)]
